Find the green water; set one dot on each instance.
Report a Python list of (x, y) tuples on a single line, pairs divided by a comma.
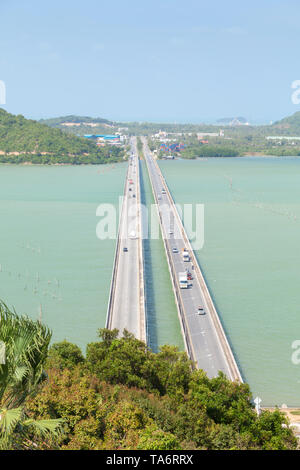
[(50, 255), (163, 323), (251, 260), (49, 252)]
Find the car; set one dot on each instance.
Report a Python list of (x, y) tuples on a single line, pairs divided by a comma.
[(125, 249), (133, 195), (200, 310), (174, 249), (170, 232)]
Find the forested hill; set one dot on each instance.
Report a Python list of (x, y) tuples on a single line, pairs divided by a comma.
[(290, 124), (25, 140)]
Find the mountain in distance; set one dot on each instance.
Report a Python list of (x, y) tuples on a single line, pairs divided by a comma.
[(233, 121), (290, 124), (81, 120)]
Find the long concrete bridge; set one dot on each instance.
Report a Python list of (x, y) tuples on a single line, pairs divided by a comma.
[(204, 336)]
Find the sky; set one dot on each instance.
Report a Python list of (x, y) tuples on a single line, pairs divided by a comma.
[(155, 60)]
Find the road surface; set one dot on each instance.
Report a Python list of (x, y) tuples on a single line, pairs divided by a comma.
[(126, 305), (207, 346)]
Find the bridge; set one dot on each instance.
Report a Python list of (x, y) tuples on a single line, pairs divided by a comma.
[(204, 336), (126, 305)]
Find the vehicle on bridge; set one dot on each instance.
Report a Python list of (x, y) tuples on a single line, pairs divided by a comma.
[(200, 310), (174, 249), (183, 280), (133, 235), (185, 255)]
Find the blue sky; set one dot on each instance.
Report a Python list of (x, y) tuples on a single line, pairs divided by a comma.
[(159, 60)]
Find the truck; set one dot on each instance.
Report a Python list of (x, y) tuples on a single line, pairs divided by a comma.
[(185, 255), (183, 281)]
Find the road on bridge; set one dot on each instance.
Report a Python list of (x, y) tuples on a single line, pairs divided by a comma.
[(207, 348), (126, 309)]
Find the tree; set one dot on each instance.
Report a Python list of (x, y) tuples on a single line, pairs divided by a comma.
[(26, 346), (64, 355)]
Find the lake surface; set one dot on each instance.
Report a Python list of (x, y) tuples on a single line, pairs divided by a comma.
[(49, 252), (251, 260), (51, 259), (162, 316)]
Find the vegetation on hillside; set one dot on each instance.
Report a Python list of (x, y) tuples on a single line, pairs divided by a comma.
[(23, 140), (289, 125), (121, 396)]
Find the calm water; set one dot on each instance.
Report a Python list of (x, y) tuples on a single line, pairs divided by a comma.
[(162, 313), (49, 252), (50, 255), (251, 259)]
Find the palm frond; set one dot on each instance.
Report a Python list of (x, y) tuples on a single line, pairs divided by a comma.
[(9, 419)]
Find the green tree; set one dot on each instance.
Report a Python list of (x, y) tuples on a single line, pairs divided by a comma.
[(21, 371), (64, 355)]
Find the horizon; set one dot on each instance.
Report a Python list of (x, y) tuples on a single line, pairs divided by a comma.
[(211, 122), (164, 62)]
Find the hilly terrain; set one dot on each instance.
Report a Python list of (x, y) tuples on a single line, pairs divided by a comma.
[(24, 140), (289, 125)]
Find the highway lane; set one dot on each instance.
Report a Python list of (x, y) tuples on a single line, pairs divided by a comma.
[(206, 345), (126, 305)]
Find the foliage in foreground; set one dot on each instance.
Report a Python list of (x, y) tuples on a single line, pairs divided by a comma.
[(123, 396), (24, 348)]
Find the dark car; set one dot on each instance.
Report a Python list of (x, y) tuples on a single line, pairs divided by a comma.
[(125, 248)]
